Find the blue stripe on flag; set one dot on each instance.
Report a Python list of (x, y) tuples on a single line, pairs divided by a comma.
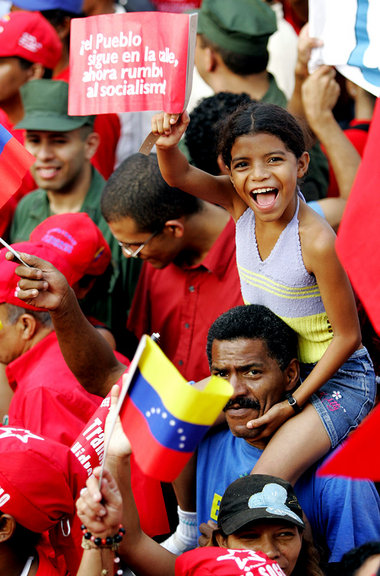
[(5, 136), (170, 431)]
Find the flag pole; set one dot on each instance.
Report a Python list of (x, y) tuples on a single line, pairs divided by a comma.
[(127, 379)]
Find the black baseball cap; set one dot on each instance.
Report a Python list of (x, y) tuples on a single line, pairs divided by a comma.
[(258, 497)]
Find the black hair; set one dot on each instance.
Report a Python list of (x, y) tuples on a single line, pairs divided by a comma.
[(255, 322), (240, 64), (353, 559), (136, 189), (260, 117), (201, 134), (26, 64), (57, 16)]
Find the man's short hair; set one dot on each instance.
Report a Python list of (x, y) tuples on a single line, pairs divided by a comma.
[(255, 322), (138, 191)]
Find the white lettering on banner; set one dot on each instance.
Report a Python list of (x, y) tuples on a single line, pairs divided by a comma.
[(120, 41)]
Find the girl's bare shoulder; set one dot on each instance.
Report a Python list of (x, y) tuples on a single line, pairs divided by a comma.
[(316, 236)]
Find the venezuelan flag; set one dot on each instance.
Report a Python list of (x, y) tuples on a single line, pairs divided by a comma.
[(15, 161), (164, 416)]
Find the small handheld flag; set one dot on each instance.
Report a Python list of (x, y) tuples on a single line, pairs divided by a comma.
[(15, 161), (164, 416)]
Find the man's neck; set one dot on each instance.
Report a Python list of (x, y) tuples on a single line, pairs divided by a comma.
[(202, 230), (71, 200), (255, 85)]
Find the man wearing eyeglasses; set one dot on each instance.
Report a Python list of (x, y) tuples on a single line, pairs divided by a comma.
[(189, 276)]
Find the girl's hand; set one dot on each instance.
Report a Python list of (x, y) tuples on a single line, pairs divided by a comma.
[(100, 511), (170, 128), (272, 419)]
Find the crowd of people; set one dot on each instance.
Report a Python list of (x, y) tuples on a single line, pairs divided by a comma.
[(221, 242)]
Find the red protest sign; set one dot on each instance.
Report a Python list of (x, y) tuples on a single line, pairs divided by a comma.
[(131, 62)]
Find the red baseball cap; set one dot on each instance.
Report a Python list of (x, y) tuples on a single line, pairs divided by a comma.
[(30, 36), (78, 239), (9, 279), (212, 560), (40, 479)]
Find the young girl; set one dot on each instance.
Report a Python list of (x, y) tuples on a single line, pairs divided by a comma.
[(287, 262)]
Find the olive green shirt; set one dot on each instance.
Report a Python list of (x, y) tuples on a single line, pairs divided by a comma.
[(110, 298)]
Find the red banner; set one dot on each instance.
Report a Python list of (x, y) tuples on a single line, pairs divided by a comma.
[(131, 62)]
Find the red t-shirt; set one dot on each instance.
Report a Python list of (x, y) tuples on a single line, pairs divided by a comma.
[(182, 303)]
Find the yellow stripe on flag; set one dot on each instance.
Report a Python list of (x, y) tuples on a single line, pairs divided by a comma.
[(181, 398)]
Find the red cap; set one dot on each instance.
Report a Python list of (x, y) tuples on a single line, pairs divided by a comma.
[(9, 279), (40, 479), (78, 239), (225, 562), (30, 36)]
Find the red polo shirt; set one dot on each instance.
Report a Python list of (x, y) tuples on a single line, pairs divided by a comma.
[(182, 303), (48, 399)]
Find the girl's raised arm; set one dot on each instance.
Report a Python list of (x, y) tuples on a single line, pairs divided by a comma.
[(177, 171)]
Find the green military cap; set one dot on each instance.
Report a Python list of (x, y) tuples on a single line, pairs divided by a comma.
[(241, 26), (45, 107)]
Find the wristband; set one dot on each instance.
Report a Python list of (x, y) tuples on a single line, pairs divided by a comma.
[(293, 403)]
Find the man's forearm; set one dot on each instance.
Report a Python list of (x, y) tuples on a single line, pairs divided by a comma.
[(86, 352)]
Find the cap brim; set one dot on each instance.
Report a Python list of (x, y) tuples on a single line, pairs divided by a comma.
[(41, 121), (237, 521)]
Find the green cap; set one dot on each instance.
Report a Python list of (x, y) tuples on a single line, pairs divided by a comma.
[(45, 107), (241, 26)]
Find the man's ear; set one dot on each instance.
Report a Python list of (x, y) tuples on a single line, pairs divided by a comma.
[(292, 375), (175, 228), (92, 144), (7, 527), (36, 71), (26, 326), (219, 539)]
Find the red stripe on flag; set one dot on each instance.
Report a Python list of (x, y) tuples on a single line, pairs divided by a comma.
[(15, 161), (154, 459), (358, 458)]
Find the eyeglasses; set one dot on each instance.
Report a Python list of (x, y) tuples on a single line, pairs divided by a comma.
[(126, 246)]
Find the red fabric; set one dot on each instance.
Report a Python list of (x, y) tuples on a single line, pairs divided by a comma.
[(39, 479), (291, 16), (358, 458), (176, 5), (358, 241), (225, 562), (30, 36), (182, 303), (109, 128), (77, 239), (358, 137), (27, 185), (45, 567), (48, 400), (88, 448), (15, 161)]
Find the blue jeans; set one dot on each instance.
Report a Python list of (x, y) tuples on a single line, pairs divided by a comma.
[(347, 397)]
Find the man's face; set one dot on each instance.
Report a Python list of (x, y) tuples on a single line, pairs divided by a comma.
[(159, 251), (61, 158), (11, 345), (12, 77), (256, 378)]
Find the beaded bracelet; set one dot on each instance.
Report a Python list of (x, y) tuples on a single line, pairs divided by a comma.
[(112, 542)]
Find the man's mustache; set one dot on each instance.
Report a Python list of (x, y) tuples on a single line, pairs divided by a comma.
[(242, 402)]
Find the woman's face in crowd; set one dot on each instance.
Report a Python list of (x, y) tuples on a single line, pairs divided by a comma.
[(279, 541)]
